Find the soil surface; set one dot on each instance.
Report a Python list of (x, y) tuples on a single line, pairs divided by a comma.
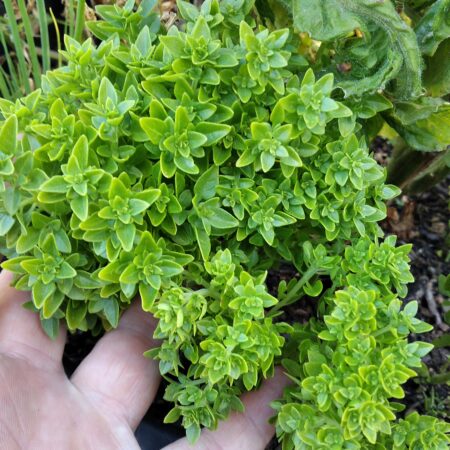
[(423, 220)]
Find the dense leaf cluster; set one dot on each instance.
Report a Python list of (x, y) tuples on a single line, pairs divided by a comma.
[(390, 61), (348, 367), (181, 165)]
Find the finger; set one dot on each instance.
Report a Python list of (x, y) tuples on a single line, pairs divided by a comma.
[(116, 375), (250, 429), (20, 331)]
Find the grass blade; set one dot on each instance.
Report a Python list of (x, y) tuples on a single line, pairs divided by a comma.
[(18, 46), (35, 66), (79, 25), (45, 42), (4, 89), (69, 25), (58, 36), (13, 76)]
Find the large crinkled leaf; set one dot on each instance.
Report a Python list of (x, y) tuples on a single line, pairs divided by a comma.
[(436, 76), (326, 20), (278, 11), (434, 27), (373, 63), (424, 123)]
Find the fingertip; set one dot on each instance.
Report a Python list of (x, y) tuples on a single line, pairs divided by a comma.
[(250, 429), (6, 288), (139, 322), (20, 329), (116, 375)]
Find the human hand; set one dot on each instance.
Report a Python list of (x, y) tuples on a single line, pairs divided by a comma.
[(100, 406)]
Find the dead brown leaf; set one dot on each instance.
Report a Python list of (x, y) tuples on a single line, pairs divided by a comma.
[(402, 223)]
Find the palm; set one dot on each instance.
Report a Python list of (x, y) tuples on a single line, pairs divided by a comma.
[(45, 418), (105, 399)]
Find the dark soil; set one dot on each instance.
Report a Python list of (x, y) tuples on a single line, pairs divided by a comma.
[(423, 220)]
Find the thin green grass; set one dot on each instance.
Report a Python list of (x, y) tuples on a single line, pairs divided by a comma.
[(58, 36), (26, 55), (29, 35), (79, 25), (4, 88), (13, 78), (45, 42), (18, 46), (69, 26)]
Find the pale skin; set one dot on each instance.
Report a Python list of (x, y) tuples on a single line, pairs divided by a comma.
[(100, 406)]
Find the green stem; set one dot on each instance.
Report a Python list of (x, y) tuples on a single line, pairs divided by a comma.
[(407, 164), (382, 330), (436, 171), (30, 201), (204, 291), (292, 297), (440, 378), (79, 24)]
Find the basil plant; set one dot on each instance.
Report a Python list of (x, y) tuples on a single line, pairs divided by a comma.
[(176, 166)]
